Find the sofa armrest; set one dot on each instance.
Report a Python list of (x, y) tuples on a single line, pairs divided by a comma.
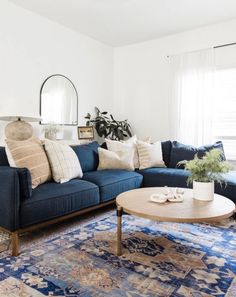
[(9, 198), (25, 182)]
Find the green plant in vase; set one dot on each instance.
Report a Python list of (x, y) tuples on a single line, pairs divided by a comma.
[(204, 172)]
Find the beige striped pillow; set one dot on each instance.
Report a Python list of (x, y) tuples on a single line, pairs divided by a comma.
[(29, 154), (150, 155)]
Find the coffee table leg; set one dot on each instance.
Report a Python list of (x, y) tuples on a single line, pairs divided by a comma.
[(119, 229)]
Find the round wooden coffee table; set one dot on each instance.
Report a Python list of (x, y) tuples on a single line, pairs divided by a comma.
[(137, 202)]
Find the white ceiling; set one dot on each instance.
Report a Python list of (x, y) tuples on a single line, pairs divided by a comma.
[(121, 22)]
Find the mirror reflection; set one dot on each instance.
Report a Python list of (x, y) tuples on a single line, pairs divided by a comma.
[(58, 101)]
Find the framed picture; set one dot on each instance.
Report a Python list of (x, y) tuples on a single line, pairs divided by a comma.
[(85, 132)]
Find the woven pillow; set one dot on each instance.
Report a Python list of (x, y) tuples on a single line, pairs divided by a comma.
[(150, 155), (64, 162), (29, 154), (110, 160)]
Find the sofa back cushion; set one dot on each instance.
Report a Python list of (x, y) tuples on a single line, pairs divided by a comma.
[(88, 156), (3, 157), (180, 152), (166, 151)]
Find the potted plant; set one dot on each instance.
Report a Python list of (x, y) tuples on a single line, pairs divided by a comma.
[(107, 127), (204, 172)]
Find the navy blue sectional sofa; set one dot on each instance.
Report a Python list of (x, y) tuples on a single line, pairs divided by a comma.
[(175, 176), (25, 209)]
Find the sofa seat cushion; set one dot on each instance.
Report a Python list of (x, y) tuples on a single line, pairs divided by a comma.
[(53, 200), (160, 177), (166, 151), (113, 182)]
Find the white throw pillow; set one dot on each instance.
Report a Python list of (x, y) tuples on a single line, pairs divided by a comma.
[(118, 147), (112, 160), (131, 143), (150, 155), (64, 162)]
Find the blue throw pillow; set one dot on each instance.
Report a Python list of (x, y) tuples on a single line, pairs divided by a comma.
[(88, 156), (180, 152), (206, 148)]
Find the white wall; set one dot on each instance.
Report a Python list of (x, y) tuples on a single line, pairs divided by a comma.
[(32, 48), (142, 72)]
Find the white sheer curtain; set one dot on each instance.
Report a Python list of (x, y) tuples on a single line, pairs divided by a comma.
[(192, 102)]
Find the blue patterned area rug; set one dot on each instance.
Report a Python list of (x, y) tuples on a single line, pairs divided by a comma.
[(159, 259)]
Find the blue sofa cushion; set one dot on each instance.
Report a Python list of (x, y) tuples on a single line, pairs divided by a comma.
[(217, 145), (88, 155), (3, 157), (113, 182), (166, 151), (180, 152), (173, 177), (53, 200), (160, 177)]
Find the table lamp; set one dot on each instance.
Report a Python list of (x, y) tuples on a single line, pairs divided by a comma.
[(19, 128)]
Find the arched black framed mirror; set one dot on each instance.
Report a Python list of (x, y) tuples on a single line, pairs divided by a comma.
[(59, 101)]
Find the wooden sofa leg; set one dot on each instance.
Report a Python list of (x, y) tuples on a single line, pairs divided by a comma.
[(15, 243)]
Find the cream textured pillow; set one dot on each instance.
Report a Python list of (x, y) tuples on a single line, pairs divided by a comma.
[(150, 155), (131, 143), (64, 162), (29, 154), (118, 147), (111, 160)]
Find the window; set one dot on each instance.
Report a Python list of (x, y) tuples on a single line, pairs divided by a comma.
[(203, 98), (224, 117)]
